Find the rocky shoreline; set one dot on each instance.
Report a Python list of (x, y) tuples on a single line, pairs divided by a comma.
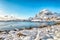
[(45, 33)]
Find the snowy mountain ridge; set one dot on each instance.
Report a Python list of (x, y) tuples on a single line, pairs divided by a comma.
[(46, 15)]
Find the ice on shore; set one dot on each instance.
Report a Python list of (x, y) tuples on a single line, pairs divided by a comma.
[(46, 33)]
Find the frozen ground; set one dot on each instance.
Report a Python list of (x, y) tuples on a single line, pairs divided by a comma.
[(46, 33)]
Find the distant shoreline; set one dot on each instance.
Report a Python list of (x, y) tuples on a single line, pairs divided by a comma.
[(23, 21)]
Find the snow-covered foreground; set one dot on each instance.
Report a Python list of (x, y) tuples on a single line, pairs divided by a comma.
[(46, 33)]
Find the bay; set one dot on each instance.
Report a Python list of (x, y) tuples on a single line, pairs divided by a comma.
[(21, 25)]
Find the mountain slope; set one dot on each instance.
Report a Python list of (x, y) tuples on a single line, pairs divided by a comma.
[(46, 15)]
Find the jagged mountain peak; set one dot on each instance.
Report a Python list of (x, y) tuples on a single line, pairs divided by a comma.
[(45, 11)]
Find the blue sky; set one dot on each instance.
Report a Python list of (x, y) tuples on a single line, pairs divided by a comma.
[(27, 8)]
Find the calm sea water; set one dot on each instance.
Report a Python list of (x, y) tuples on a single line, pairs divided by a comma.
[(20, 25)]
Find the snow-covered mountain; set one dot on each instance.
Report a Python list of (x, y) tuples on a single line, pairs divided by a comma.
[(43, 15), (46, 15), (6, 17)]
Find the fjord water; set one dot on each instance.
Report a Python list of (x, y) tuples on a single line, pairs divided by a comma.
[(21, 25)]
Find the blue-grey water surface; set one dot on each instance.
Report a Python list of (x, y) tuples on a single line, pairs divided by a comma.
[(20, 25)]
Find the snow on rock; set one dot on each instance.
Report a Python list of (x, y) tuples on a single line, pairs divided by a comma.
[(46, 33)]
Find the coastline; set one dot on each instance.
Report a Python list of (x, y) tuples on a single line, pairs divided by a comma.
[(44, 33)]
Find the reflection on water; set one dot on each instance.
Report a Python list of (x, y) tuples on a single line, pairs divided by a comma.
[(13, 25)]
